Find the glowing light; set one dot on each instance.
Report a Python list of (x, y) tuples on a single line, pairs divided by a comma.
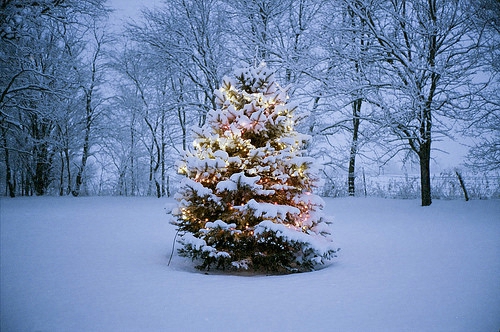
[(182, 170)]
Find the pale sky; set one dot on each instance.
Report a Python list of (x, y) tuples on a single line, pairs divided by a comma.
[(130, 8)]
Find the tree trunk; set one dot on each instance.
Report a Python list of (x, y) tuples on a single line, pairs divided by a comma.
[(8, 172), (24, 183), (168, 186), (163, 169), (132, 157), (162, 154), (11, 185), (351, 178), (158, 189), (68, 169), (41, 179), (86, 145), (81, 169), (61, 175), (462, 185), (181, 113), (425, 173), (150, 182)]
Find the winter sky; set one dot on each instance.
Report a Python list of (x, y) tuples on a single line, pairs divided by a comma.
[(131, 8)]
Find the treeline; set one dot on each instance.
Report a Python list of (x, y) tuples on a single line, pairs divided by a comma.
[(448, 184), (88, 111)]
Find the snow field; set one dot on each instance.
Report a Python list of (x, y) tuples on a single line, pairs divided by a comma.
[(100, 264)]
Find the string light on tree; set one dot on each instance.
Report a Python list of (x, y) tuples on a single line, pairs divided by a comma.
[(246, 201)]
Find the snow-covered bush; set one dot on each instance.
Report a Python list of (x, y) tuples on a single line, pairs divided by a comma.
[(247, 201)]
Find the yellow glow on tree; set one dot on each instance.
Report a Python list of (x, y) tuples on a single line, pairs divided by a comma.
[(246, 201)]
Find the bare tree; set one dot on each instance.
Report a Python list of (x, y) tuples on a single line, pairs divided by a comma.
[(41, 44), (258, 22), (190, 37), (347, 43), (484, 124), (173, 61), (93, 78), (426, 69), (35, 77)]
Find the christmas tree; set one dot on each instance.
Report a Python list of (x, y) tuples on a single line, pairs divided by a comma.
[(247, 201)]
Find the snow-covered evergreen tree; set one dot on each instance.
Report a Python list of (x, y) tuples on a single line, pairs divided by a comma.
[(247, 200)]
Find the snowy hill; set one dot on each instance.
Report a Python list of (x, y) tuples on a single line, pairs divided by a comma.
[(100, 264)]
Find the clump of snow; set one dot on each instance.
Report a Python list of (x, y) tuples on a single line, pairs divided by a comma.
[(198, 188), (238, 180), (268, 210), (321, 245), (219, 224), (309, 198), (242, 264), (195, 242)]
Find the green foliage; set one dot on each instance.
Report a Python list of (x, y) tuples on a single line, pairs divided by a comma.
[(246, 202)]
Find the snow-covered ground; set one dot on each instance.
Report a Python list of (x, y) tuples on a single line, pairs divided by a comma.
[(100, 264)]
